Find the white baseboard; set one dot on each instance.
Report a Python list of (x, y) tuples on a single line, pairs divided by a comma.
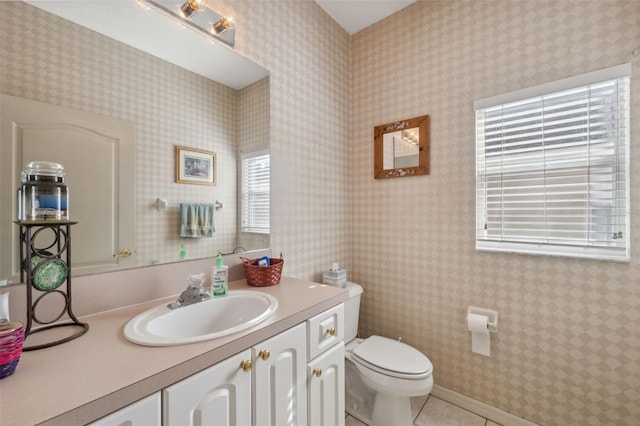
[(480, 408)]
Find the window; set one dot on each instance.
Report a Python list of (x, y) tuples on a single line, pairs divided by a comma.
[(255, 196), (552, 167)]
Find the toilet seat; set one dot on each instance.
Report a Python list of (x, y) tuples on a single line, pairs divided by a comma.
[(392, 358)]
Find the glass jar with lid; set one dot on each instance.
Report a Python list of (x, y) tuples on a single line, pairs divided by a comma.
[(43, 194)]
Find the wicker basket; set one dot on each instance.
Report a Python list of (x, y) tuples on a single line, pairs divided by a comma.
[(263, 276), (11, 341)]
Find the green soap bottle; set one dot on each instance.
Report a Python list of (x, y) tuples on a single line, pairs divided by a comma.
[(219, 277)]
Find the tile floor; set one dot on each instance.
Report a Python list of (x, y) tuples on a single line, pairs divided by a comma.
[(432, 411)]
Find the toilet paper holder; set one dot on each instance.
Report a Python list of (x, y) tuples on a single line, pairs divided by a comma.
[(492, 321)]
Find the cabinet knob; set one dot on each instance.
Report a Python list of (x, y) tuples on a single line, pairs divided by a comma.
[(245, 365), (331, 331), (317, 372), (264, 354)]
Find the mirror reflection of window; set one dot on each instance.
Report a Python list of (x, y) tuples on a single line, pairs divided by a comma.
[(255, 197), (401, 148)]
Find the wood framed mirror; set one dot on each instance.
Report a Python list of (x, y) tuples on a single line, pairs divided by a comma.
[(401, 148)]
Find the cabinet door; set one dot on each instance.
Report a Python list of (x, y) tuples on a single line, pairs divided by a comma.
[(326, 388), (219, 395), (98, 155), (280, 383), (145, 412)]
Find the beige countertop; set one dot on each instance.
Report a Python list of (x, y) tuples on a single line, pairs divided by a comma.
[(87, 378)]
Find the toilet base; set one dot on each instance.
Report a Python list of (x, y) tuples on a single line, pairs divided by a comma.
[(359, 399), (377, 408), (391, 410)]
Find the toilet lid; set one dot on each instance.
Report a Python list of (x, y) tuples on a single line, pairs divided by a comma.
[(392, 356)]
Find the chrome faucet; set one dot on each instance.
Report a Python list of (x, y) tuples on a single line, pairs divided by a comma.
[(194, 293)]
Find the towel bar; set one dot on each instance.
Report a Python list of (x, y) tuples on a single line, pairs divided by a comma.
[(163, 205)]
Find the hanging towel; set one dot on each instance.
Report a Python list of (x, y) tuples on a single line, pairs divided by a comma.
[(197, 220)]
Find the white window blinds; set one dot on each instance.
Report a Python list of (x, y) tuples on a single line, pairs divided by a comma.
[(552, 167), (255, 197)]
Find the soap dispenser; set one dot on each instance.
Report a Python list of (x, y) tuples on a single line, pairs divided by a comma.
[(219, 277)]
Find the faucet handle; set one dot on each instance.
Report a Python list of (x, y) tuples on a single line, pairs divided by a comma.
[(194, 292), (195, 280)]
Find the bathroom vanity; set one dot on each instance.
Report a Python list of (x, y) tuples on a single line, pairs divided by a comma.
[(289, 370)]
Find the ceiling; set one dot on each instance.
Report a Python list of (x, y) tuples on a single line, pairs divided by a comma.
[(356, 15)]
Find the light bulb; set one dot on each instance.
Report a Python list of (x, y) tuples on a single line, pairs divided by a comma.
[(190, 7)]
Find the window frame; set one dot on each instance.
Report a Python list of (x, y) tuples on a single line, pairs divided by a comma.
[(617, 252)]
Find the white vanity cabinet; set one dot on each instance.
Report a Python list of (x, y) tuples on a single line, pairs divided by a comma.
[(145, 412), (219, 395), (295, 378), (325, 369)]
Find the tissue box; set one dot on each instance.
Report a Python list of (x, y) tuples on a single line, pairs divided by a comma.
[(335, 278)]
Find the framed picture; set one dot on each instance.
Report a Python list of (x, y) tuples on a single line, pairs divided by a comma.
[(195, 166)]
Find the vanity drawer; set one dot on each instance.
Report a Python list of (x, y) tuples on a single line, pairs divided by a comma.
[(325, 330)]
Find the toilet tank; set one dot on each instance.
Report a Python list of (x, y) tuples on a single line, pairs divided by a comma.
[(352, 311)]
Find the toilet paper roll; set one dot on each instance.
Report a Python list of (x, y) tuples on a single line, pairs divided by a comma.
[(480, 338)]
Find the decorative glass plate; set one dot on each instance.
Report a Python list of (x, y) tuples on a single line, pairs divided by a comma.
[(49, 274), (36, 260)]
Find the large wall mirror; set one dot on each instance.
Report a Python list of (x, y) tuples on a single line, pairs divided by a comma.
[(401, 148), (118, 62)]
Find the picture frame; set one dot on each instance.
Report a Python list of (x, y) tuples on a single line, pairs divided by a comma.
[(195, 166)]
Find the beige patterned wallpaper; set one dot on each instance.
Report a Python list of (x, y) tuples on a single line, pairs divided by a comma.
[(307, 55), (568, 351), (568, 348)]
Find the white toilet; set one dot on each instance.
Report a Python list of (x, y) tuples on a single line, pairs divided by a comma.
[(381, 374)]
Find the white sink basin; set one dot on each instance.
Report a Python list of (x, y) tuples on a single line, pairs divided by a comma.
[(213, 318)]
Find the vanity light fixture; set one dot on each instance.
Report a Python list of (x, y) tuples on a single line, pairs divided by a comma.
[(410, 136), (194, 14)]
